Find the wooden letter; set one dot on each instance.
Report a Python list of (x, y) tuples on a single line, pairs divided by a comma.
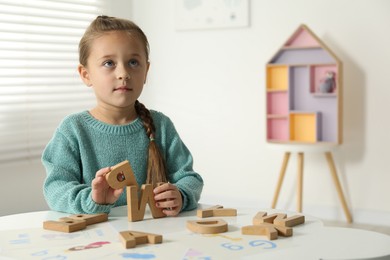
[(272, 225), (261, 217), (67, 225), (121, 175), (91, 218), (258, 219), (216, 211), (265, 230), (208, 227), (132, 238), (136, 207), (291, 221)]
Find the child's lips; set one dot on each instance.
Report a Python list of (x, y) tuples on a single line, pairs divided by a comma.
[(122, 89)]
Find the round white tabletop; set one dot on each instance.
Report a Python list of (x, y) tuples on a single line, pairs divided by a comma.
[(22, 237)]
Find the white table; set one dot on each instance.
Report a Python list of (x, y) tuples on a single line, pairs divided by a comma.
[(22, 237)]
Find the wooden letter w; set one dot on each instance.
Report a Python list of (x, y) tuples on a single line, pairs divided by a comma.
[(136, 207)]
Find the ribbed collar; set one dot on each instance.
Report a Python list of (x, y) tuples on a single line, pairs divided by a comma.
[(130, 128)]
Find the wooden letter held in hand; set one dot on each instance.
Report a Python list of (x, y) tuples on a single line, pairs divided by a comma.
[(121, 175), (136, 206), (273, 225)]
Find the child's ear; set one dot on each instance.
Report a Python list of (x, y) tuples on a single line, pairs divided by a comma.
[(84, 75), (147, 70)]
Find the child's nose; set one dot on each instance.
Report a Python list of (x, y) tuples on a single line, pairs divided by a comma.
[(122, 73), (124, 77)]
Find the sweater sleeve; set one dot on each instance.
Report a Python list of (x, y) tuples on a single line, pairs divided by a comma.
[(63, 187), (179, 163)]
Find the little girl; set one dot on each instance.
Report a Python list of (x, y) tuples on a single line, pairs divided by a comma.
[(114, 62)]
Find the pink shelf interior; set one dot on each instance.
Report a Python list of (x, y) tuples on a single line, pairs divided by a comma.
[(277, 129), (277, 103), (318, 74), (302, 38)]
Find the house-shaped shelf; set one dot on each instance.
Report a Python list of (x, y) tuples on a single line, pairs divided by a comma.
[(304, 87)]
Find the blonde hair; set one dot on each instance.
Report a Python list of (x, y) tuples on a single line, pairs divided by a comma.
[(102, 24)]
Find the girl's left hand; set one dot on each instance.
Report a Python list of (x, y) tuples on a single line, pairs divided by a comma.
[(168, 197)]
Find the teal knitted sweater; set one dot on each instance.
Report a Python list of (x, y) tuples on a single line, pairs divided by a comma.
[(82, 145)]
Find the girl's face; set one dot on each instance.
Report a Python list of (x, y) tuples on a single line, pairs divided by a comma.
[(116, 69)]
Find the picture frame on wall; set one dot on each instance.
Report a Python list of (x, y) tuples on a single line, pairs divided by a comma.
[(211, 14)]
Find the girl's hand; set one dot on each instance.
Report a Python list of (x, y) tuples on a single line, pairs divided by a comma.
[(102, 193), (169, 198)]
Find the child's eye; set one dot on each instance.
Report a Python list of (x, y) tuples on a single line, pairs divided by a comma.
[(133, 63), (108, 64)]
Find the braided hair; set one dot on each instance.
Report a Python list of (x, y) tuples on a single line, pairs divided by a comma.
[(156, 164)]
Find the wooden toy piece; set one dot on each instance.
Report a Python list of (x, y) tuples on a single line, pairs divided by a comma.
[(132, 238), (91, 218), (205, 213), (136, 207), (290, 222), (272, 225), (214, 226), (262, 217), (283, 231), (67, 225), (216, 211), (278, 219), (121, 175), (262, 230), (270, 230)]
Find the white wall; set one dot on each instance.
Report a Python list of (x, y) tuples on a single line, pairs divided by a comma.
[(211, 83), (22, 188)]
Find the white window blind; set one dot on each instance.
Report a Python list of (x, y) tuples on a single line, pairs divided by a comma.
[(39, 83)]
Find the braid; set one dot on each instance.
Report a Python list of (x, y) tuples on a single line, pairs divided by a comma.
[(146, 118), (156, 165)]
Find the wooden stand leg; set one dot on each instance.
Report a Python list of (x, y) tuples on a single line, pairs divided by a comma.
[(336, 181), (300, 182), (281, 177)]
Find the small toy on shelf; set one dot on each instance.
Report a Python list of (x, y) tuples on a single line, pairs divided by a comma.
[(328, 84)]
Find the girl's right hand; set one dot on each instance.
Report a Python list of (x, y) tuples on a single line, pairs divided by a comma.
[(102, 193)]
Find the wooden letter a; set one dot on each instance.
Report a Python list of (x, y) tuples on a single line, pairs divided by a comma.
[(132, 238)]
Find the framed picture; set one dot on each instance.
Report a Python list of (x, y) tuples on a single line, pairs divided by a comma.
[(211, 14)]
